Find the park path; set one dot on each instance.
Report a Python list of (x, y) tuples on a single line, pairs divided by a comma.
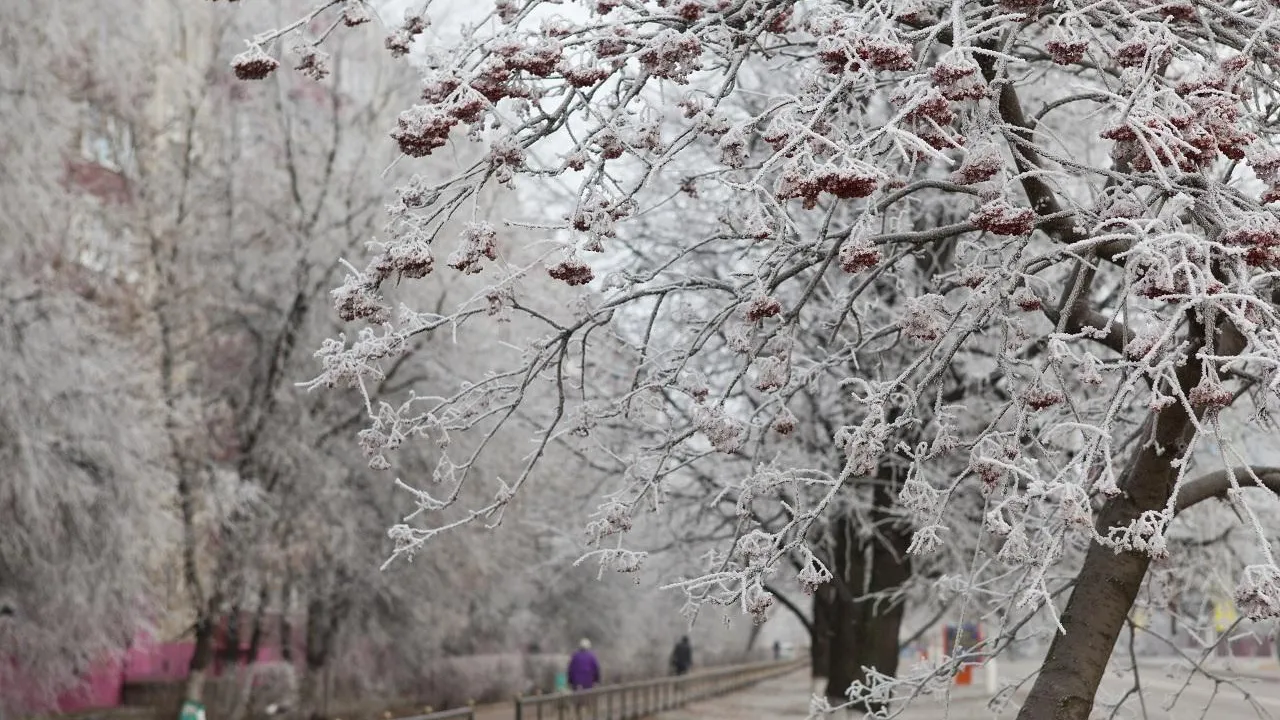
[(1246, 693), (787, 698)]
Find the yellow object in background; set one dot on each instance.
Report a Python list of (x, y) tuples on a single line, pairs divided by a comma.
[(1224, 614)]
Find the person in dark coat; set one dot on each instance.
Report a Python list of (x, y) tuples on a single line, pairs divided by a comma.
[(584, 668), (682, 656)]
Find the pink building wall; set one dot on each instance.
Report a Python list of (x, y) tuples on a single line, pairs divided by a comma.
[(101, 689), (148, 660)]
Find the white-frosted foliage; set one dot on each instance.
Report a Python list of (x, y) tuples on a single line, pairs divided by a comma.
[(82, 496), (84, 489), (981, 243)]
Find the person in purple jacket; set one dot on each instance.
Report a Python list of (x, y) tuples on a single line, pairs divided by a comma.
[(584, 668)]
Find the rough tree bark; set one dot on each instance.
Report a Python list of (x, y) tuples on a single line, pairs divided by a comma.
[(324, 617), (246, 672), (820, 635), (866, 624), (257, 632), (1109, 581), (286, 625), (315, 655), (202, 655), (201, 658), (230, 655)]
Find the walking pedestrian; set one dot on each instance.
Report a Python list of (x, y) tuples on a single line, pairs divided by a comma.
[(584, 668), (682, 656), (583, 674)]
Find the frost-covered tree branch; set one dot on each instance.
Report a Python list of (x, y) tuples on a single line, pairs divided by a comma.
[(886, 304)]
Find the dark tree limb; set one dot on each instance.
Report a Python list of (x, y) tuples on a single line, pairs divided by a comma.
[(794, 608), (1217, 484)]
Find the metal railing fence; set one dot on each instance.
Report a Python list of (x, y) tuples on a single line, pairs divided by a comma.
[(634, 700)]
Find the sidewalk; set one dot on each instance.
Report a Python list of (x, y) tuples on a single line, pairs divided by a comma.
[(1262, 668), (788, 698)]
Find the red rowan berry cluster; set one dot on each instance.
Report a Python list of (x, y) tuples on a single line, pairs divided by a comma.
[(1259, 238), (253, 64), (763, 307), (672, 55), (859, 255), (1066, 51), (959, 80), (1209, 394), (798, 180), (479, 240), (979, 166), (312, 62), (1265, 163), (400, 41), (410, 257), (572, 272), (930, 119), (1001, 218), (421, 129), (1040, 397)]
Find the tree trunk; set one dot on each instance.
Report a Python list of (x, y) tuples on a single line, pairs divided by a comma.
[(844, 664), (890, 570), (752, 637), (866, 623), (1109, 581), (202, 654), (246, 674), (823, 630), (311, 700), (323, 620), (286, 626), (256, 633), (230, 654), (201, 657)]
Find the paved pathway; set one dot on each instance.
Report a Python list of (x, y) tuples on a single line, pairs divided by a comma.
[(788, 697), (1166, 698)]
